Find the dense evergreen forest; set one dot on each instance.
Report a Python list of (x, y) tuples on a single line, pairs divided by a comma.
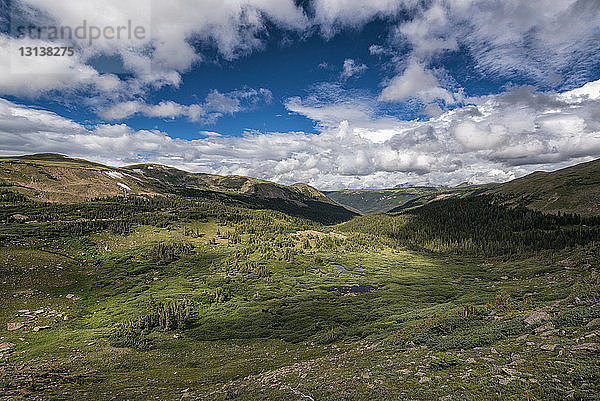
[(480, 225)]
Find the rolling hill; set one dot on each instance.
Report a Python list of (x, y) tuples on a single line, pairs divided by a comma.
[(57, 178), (574, 189)]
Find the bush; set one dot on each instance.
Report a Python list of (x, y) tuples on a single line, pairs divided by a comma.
[(444, 362), (576, 316), (126, 335), (330, 336)]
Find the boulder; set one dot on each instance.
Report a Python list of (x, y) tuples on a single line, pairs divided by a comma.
[(536, 316), (6, 346), (594, 347), (593, 322), (38, 328), (14, 326), (544, 327)]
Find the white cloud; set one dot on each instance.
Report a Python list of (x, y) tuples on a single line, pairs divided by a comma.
[(333, 15), (351, 68), (472, 136), (418, 82), (511, 37), (376, 50), (30, 76), (429, 34), (157, 58), (214, 106), (494, 137)]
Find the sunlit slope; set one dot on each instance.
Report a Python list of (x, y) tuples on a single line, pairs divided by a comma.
[(57, 178), (574, 189)]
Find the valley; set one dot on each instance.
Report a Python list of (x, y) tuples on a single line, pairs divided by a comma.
[(203, 287)]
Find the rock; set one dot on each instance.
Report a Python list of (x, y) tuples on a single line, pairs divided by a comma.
[(504, 277), (14, 326), (536, 316), (544, 327), (69, 296), (587, 347), (530, 343), (510, 372), (548, 347), (550, 333), (493, 350), (424, 379), (523, 337), (6, 346), (67, 317), (471, 360), (38, 328), (593, 322), (516, 358)]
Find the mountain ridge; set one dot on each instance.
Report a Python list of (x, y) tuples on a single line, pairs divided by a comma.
[(573, 189), (59, 178)]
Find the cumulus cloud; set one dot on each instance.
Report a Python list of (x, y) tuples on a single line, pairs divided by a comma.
[(214, 106), (351, 68), (333, 15), (429, 33), (30, 76), (415, 82), (508, 38), (156, 58), (492, 138), (165, 109)]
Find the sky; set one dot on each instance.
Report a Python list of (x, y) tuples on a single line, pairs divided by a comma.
[(334, 93)]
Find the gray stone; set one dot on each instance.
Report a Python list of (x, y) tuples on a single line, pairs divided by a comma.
[(544, 327), (587, 347), (14, 326), (593, 322), (536, 316)]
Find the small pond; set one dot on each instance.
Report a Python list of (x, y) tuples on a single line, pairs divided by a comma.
[(350, 289), (341, 269)]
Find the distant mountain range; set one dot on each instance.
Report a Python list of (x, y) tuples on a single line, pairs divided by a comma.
[(574, 189), (57, 178)]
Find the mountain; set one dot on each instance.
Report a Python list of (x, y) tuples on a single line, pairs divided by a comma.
[(379, 200), (574, 189), (58, 178)]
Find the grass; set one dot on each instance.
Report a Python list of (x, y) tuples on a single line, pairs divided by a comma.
[(218, 318)]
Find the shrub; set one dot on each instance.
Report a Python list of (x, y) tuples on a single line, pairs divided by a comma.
[(444, 362)]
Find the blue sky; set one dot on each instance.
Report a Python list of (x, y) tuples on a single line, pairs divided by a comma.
[(335, 93)]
